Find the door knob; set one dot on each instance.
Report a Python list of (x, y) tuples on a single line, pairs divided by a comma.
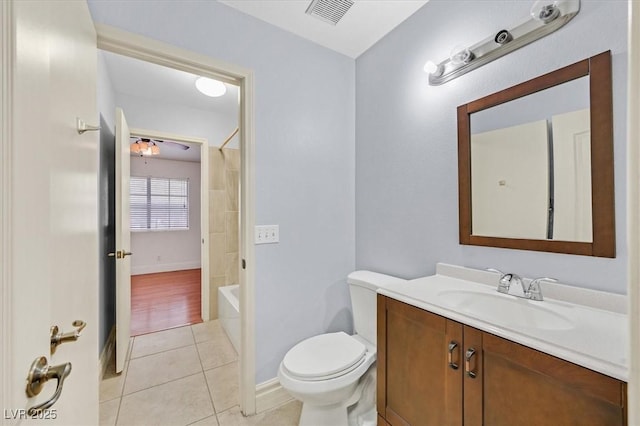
[(58, 337), (120, 254), (40, 373)]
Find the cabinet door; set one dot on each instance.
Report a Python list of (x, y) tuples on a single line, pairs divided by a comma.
[(523, 386), (473, 376), (416, 385)]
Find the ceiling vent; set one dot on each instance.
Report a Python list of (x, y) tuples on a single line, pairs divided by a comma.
[(330, 11)]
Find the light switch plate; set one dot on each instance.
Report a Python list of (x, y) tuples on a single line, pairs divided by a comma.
[(267, 234)]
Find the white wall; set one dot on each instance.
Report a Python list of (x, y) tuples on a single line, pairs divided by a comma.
[(105, 93), (406, 164), (305, 155), (162, 251), (175, 118)]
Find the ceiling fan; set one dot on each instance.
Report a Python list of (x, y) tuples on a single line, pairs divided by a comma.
[(140, 145)]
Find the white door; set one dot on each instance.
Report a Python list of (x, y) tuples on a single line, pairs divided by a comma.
[(572, 216), (50, 219), (123, 241), (510, 180)]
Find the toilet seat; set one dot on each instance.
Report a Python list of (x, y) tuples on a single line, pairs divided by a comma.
[(324, 357)]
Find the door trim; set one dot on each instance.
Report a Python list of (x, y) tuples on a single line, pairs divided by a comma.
[(6, 164), (146, 49), (633, 212), (204, 206)]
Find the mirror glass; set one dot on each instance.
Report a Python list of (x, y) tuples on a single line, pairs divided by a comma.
[(535, 163), (531, 166)]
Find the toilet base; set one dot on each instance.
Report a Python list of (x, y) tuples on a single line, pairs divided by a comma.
[(324, 415), (360, 408)]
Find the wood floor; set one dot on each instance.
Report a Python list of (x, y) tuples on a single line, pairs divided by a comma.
[(164, 300)]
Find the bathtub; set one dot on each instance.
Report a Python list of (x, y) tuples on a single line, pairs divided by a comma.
[(229, 313)]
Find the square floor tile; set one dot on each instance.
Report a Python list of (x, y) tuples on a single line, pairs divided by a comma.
[(214, 353), (285, 415), (112, 383), (161, 341), (152, 370), (209, 330), (223, 385), (111, 388), (179, 402), (109, 412), (234, 417), (209, 421)]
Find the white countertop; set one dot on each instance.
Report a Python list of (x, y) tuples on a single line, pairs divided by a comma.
[(595, 338)]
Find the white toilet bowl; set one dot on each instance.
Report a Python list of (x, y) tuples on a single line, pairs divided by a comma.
[(332, 372), (324, 373)]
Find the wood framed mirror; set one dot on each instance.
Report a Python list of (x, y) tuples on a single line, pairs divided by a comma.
[(535, 164)]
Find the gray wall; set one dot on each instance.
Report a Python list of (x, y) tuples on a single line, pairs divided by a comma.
[(106, 191), (406, 137), (305, 155)]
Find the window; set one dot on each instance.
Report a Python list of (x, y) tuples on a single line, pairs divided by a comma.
[(159, 203)]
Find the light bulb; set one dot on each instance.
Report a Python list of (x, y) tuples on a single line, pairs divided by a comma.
[(430, 67), (460, 55), (210, 87), (545, 10)]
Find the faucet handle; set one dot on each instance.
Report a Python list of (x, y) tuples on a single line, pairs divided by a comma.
[(505, 280), (534, 291)]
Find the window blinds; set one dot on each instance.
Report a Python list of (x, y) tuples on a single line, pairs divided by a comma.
[(159, 203)]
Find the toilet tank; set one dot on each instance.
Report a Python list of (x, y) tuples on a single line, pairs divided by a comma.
[(363, 286)]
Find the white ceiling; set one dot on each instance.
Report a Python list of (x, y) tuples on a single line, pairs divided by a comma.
[(155, 82), (162, 84), (366, 22)]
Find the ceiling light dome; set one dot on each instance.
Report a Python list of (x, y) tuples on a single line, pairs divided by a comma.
[(210, 87)]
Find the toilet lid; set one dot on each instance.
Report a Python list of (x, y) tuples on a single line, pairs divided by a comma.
[(324, 355)]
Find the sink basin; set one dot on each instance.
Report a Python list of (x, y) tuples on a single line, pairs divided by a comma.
[(506, 310)]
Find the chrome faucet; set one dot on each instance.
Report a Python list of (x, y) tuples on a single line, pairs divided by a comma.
[(532, 292)]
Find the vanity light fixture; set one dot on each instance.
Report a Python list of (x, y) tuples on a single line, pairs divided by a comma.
[(547, 16), (431, 68), (210, 87)]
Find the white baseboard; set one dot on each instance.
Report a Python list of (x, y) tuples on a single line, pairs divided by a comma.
[(164, 267), (270, 394), (107, 352)]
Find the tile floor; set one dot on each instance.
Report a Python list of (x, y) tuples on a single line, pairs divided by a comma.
[(183, 376)]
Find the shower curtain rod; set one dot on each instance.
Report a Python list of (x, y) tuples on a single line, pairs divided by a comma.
[(226, 141)]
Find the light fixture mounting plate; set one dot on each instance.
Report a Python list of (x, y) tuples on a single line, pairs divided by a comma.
[(551, 17)]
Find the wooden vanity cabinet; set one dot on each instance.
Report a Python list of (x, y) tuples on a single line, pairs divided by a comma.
[(419, 384), (415, 384)]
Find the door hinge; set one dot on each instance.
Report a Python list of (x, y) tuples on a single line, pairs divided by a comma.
[(244, 264)]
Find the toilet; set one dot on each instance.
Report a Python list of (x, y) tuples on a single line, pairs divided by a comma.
[(333, 374)]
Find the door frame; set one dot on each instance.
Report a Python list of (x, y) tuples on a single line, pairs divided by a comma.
[(139, 47), (204, 206), (633, 212), (6, 132)]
